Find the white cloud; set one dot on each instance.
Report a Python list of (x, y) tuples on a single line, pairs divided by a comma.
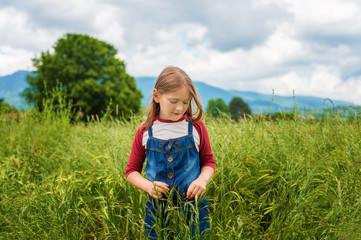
[(14, 59), (256, 45), (19, 32), (322, 83), (330, 22), (309, 12), (241, 24), (107, 26), (196, 36)]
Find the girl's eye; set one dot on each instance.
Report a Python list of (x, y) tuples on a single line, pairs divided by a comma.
[(173, 101), (185, 102)]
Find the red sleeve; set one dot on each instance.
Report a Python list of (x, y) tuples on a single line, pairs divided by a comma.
[(205, 151), (137, 154)]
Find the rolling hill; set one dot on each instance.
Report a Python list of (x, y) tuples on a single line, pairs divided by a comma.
[(12, 85), (259, 103)]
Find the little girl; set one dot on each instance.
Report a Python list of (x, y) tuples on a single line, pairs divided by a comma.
[(176, 144)]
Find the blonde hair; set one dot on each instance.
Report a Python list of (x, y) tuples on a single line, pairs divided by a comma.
[(171, 79)]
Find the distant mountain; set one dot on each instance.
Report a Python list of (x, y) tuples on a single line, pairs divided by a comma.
[(12, 85), (259, 103)]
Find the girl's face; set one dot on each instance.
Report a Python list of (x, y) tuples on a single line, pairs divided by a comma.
[(173, 104)]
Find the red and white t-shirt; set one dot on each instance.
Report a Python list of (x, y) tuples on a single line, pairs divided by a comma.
[(166, 129)]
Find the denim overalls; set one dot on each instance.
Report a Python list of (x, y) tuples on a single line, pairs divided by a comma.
[(176, 163)]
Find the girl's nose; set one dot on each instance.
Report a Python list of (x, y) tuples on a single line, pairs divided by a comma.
[(179, 107)]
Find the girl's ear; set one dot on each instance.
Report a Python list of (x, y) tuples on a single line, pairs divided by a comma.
[(156, 95)]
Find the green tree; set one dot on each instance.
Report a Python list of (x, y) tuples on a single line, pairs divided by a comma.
[(90, 74), (216, 107), (238, 108)]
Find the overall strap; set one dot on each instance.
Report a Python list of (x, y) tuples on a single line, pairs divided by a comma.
[(190, 128), (150, 132)]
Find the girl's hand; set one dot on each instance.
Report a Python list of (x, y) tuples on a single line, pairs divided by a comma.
[(197, 188), (156, 189)]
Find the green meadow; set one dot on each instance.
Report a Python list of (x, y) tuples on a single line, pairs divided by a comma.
[(279, 179)]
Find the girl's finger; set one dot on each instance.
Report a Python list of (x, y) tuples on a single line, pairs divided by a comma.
[(162, 185), (163, 188), (160, 189), (200, 193), (191, 195), (197, 193), (156, 194), (190, 191)]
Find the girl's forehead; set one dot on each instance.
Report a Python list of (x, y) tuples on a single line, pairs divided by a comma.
[(181, 92)]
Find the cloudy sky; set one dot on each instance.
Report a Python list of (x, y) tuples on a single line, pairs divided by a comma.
[(310, 46)]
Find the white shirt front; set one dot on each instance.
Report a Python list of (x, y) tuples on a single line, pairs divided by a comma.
[(171, 130)]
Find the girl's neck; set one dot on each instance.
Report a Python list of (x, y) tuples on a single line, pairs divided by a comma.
[(184, 117)]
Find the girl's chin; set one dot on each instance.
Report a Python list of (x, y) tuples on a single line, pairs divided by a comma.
[(172, 117), (175, 116)]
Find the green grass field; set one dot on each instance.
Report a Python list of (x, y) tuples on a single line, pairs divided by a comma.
[(294, 179)]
